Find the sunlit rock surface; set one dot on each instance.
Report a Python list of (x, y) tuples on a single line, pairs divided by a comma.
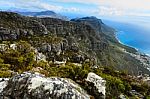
[(99, 83), (36, 86)]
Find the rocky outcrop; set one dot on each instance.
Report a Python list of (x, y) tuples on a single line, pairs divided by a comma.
[(122, 96), (74, 32), (3, 83), (136, 94), (14, 25), (99, 83), (36, 86)]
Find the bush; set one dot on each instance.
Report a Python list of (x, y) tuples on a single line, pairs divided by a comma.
[(19, 59), (5, 74)]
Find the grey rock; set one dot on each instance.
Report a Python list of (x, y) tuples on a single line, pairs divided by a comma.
[(122, 96), (36, 86), (99, 83)]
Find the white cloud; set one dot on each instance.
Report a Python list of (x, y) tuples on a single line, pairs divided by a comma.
[(102, 7), (45, 6), (117, 7), (103, 10), (6, 3), (34, 5), (37, 5), (125, 4)]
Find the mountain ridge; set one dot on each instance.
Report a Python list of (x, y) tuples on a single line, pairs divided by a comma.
[(100, 42), (41, 14)]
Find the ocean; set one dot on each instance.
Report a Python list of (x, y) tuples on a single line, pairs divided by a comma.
[(134, 32)]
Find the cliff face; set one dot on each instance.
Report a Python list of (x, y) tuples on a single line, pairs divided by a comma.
[(100, 28), (74, 32), (88, 38)]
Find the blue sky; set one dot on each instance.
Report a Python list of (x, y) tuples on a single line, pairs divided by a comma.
[(92, 7)]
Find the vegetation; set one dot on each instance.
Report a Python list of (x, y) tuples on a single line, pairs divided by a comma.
[(22, 59)]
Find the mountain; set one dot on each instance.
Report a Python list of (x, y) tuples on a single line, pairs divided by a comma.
[(97, 24), (107, 34), (68, 49), (89, 34), (41, 14)]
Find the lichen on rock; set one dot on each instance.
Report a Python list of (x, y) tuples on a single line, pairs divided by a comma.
[(36, 86), (98, 82)]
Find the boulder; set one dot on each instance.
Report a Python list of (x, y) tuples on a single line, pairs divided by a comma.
[(40, 57), (3, 83), (99, 83), (36, 86), (122, 96)]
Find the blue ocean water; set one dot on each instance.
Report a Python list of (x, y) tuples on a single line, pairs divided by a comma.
[(135, 33)]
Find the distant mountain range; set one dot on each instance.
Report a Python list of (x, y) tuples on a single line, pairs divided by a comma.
[(42, 14)]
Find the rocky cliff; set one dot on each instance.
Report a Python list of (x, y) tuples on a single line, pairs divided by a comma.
[(86, 35)]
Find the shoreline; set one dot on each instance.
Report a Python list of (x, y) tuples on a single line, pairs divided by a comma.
[(139, 51)]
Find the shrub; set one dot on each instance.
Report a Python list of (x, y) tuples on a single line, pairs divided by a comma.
[(5, 74)]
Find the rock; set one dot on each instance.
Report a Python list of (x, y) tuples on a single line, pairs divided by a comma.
[(57, 48), (98, 82), (137, 94), (40, 57), (3, 47), (36, 86), (122, 96), (13, 46), (37, 69), (60, 63), (3, 83)]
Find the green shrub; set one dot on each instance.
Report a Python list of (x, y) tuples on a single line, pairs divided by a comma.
[(5, 74)]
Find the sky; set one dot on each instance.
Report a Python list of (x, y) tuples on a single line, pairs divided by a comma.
[(87, 7)]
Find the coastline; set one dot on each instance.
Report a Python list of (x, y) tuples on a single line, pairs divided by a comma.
[(139, 51), (131, 34)]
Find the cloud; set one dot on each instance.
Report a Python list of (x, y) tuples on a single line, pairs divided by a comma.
[(117, 7), (123, 4), (45, 6), (34, 5), (103, 10), (99, 7), (6, 3)]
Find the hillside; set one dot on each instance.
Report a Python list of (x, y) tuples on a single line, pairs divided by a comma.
[(89, 35), (70, 49)]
